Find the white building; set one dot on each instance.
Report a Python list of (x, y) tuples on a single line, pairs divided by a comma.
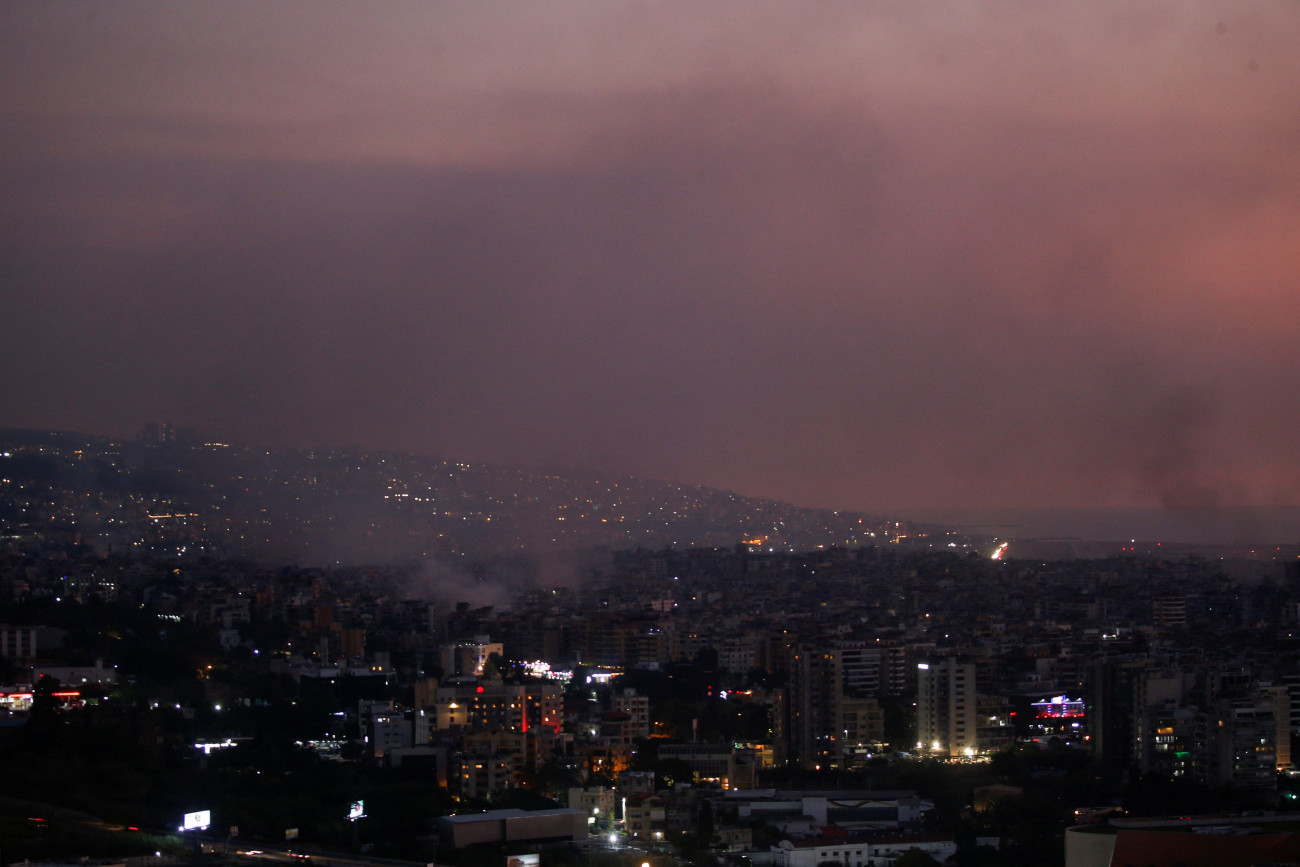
[(390, 732), (945, 707), (17, 642), (859, 851)]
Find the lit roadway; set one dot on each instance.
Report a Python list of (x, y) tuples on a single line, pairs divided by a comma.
[(282, 854)]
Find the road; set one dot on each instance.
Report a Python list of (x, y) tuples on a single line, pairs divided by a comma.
[(308, 858)]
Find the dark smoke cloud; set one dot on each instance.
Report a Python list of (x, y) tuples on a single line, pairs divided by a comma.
[(856, 257)]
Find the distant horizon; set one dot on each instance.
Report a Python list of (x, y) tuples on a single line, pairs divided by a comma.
[(1219, 523), (1215, 524)]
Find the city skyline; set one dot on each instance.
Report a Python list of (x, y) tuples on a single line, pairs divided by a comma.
[(856, 257)]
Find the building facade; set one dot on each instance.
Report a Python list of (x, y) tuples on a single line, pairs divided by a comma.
[(946, 703)]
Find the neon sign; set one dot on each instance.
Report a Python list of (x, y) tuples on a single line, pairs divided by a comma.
[(1059, 707)]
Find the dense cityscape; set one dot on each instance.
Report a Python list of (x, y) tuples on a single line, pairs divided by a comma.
[(584, 434), (167, 493), (479, 666)]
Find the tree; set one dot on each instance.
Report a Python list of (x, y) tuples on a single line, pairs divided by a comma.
[(670, 772), (44, 721), (706, 822)]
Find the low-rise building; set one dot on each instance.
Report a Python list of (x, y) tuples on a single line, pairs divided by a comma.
[(874, 851), (645, 817), (513, 826)]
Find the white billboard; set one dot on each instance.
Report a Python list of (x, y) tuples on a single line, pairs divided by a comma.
[(197, 821)]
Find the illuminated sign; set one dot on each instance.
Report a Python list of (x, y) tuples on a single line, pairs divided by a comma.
[(1059, 706), (357, 810), (197, 821)]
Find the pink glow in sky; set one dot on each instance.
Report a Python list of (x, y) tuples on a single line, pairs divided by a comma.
[(860, 255)]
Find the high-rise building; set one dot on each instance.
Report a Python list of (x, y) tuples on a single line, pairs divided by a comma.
[(827, 719), (1247, 735), (637, 707), (945, 707), (1175, 742), (816, 693), (1170, 611), (1114, 711)]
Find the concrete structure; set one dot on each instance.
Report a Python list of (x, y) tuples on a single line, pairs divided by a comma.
[(1247, 737), (810, 812), (645, 817), (75, 676), (816, 692), (1201, 841), (872, 667), (863, 724), (715, 763), (512, 826), (945, 707), (468, 658), (637, 708), (478, 775), (18, 642), (877, 851), (595, 802), (478, 705), (389, 731)]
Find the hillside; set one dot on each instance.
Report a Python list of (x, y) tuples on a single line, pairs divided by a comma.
[(60, 489)]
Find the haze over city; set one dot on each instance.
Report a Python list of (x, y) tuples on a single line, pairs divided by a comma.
[(861, 256)]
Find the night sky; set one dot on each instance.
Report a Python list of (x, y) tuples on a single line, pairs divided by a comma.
[(856, 255)]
